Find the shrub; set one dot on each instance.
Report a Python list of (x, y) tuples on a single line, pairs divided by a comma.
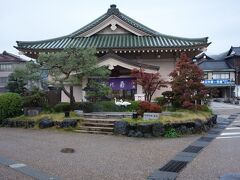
[(35, 98), (110, 106), (105, 106), (171, 133), (10, 105), (62, 107), (160, 101), (133, 107), (145, 106), (87, 107)]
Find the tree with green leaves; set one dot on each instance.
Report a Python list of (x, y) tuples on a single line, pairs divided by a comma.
[(69, 67), (24, 79)]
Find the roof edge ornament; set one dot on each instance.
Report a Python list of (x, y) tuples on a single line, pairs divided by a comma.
[(113, 10)]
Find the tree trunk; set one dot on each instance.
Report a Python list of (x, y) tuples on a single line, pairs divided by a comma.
[(72, 99), (69, 95)]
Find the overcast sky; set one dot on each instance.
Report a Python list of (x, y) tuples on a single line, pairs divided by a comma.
[(31, 20)]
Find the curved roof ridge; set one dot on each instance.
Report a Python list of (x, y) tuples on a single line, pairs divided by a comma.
[(42, 41)]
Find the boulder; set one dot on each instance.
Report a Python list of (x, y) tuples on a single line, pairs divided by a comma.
[(145, 128), (121, 127), (183, 129), (45, 123), (157, 129), (147, 135), (214, 119), (138, 134), (131, 133), (198, 126), (67, 123)]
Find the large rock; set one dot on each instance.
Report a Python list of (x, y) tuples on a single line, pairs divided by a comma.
[(67, 123), (214, 119), (131, 133), (157, 129), (45, 123), (182, 129), (145, 128), (138, 134), (198, 126), (121, 127)]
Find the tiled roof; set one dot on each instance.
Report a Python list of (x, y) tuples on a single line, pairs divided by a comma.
[(117, 41), (152, 39), (214, 65), (234, 51), (113, 10), (8, 57)]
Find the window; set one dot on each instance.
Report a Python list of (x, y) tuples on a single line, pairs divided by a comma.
[(5, 67), (3, 80), (205, 75), (221, 76)]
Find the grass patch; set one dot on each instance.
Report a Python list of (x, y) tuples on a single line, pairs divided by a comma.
[(43, 115), (180, 116)]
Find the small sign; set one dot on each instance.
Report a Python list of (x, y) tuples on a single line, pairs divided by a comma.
[(217, 81), (151, 116), (139, 97)]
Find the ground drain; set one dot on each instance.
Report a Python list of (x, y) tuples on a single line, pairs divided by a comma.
[(67, 150), (208, 139), (193, 149), (174, 166)]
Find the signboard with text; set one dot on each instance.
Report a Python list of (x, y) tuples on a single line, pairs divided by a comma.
[(128, 83)]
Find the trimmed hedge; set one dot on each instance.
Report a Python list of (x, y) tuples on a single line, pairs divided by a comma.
[(87, 107), (101, 106), (10, 105), (62, 107), (110, 106)]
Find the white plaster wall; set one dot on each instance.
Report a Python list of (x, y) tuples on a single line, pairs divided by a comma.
[(166, 67), (77, 93)]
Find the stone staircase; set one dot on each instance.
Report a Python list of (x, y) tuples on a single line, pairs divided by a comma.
[(100, 123)]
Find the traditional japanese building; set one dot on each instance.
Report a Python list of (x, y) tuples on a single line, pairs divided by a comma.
[(8, 63), (122, 44), (222, 72)]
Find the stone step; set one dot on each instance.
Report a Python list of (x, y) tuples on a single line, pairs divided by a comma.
[(93, 132), (100, 120), (107, 116), (95, 128), (99, 124)]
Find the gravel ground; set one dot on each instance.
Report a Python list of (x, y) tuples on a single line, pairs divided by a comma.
[(7, 173), (96, 156)]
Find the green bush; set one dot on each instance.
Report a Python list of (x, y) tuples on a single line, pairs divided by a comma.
[(87, 107), (62, 107), (105, 106), (10, 105), (160, 101), (35, 98), (171, 133), (110, 106)]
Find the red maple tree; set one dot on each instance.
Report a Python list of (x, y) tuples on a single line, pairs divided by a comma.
[(186, 83), (150, 82)]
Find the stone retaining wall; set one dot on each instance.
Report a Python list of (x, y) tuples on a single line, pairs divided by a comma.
[(44, 123), (158, 129)]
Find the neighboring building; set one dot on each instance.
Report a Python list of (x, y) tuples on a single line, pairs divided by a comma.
[(122, 44), (222, 71), (8, 62)]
